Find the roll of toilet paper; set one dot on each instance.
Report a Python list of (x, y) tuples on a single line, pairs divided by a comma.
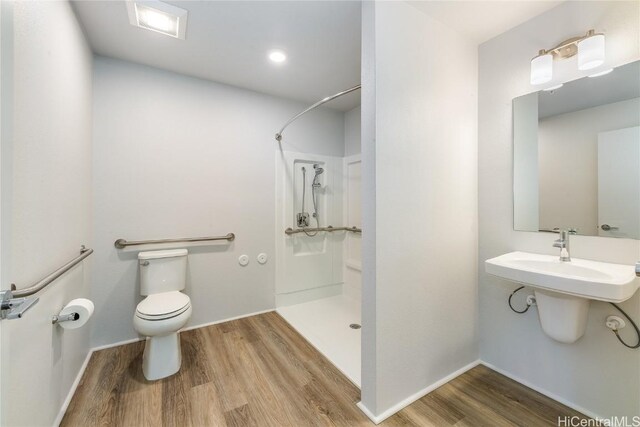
[(83, 307)]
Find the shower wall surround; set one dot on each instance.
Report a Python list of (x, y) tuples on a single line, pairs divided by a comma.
[(308, 267), (46, 202), (352, 214), (178, 156), (352, 201), (596, 374), (326, 264)]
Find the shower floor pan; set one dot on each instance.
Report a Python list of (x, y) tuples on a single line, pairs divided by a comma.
[(325, 324)]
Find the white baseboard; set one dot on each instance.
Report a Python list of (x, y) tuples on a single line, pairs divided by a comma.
[(201, 325), (72, 390), (368, 413), (540, 390), (216, 322), (377, 419), (117, 344)]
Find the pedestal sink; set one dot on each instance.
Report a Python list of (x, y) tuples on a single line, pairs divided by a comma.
[(564, 290)]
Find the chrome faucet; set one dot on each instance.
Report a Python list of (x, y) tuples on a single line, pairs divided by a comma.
[(563, 244)]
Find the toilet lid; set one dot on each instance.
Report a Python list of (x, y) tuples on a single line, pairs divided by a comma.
[(165, 304)]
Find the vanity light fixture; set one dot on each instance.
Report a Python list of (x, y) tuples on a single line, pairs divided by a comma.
[(589, 48), (159, 17)]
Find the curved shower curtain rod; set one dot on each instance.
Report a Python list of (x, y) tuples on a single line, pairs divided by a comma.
[(317, 104)]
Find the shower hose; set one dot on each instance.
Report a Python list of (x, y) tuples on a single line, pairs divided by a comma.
[(313, 198)]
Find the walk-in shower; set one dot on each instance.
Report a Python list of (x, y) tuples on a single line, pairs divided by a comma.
[(318, 268)]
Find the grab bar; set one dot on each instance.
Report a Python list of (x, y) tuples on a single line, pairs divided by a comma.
[(122, 243), (289, 231), (44, 282), (13, 302)]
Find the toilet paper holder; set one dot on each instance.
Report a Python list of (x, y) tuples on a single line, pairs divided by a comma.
[(71, 317)]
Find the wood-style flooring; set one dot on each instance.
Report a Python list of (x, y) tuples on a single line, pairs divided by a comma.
[(258, 371)]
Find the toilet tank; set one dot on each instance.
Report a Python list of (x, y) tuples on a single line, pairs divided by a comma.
[(162, 271)]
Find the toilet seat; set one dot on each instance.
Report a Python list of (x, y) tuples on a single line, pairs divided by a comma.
[(163, 306), (159, 327)]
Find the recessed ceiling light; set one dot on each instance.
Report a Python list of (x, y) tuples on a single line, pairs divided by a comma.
[(549, 89), (602, 73), (277, 56), (159, 17)]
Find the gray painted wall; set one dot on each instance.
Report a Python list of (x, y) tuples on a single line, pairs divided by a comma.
[(178, 156)]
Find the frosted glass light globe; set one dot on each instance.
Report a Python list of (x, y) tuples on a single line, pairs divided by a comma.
[(541, 69), (591, 52)]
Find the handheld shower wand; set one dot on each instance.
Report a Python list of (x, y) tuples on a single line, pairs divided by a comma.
[(319, 171), (315, 185)]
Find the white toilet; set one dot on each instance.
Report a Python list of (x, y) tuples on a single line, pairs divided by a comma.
[(164, 310)]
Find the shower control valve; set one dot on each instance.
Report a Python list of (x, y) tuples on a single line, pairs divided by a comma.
[(303, 219)]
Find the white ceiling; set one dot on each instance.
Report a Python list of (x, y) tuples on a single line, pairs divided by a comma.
[(228, 41), (482, 20)]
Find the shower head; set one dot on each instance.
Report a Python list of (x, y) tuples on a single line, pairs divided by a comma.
[(318, 169)]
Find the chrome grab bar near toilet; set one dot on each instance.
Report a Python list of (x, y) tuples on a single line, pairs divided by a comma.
[(122, 243), (13, 301), (44, 282), (289, 231)]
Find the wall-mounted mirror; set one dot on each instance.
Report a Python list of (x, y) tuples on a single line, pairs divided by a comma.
[(576, 156)]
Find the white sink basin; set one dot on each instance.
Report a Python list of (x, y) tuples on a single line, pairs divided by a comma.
[(579, 277)]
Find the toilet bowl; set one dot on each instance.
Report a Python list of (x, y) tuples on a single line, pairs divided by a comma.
[(163, 312), (160, 317)]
